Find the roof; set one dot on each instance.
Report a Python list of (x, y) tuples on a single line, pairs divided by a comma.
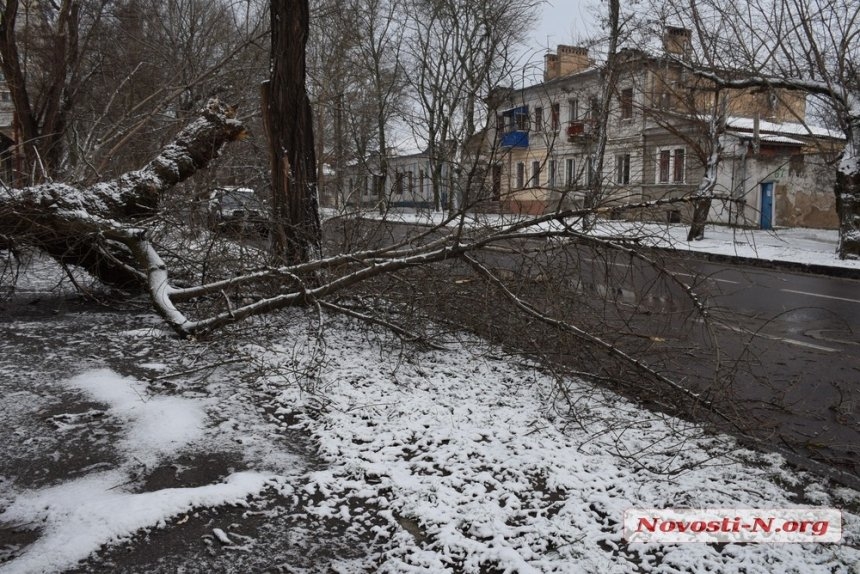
[(784, 128), (768, 138)]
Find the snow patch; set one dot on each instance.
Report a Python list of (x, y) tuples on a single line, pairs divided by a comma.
[(156, 425), (78, 517)]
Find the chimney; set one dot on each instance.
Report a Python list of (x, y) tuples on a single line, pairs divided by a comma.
[(567, 60), (550, 70), (572, 59), (676, 41)]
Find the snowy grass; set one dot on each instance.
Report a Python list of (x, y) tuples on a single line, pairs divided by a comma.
[(471, 460), (477, 462), (77, 517)]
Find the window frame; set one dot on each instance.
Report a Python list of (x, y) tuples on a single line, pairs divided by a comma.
[(626, 103), (572, 109), (670, 165), (570, 171), (622, 169), (679, 174), (664, 165)]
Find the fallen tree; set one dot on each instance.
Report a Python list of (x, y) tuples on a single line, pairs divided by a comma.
[(101, 229), (93, 228), (107, 229)]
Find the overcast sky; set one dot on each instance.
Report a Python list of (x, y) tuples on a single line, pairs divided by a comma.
[(560, 22)]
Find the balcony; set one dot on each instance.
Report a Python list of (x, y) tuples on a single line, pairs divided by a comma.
[(515, 139), (513, 124), (580, 130)]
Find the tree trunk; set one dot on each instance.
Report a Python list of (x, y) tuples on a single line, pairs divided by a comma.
[(42, 131), (705, 193), (289, 125), (848, 186), (848, 208)]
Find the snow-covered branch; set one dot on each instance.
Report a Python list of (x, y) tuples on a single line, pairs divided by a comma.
[(81, 226)]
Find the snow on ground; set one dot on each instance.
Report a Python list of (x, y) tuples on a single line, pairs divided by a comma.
[(155, 426), (475, 460), (796, 245), (470, 458), (78, 516)]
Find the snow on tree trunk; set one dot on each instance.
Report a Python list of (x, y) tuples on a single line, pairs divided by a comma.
[(705, 192), (86, 227), (848, 187)]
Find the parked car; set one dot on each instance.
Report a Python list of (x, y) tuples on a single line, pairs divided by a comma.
[(237, 210)]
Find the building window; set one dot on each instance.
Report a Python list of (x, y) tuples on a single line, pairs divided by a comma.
[(627, 103), (589, 166), (497, 182), (410, 182), (594, 108), (664, 158), (679, 167), (671, 165), (552, 170), (535, 180), (522, 120), (569, 172), (538, 118), (398, 183), (622, 168), (555, 114), (572, 110), (521, 175)]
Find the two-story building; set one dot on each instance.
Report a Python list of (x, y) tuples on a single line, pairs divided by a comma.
[(773, 167), (408, 182)]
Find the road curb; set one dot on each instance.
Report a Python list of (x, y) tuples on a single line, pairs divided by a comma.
[(795, 266)]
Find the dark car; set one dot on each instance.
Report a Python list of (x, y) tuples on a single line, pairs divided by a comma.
[(237, 210)]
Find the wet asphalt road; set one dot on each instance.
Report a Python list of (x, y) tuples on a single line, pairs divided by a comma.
[(781, 349)]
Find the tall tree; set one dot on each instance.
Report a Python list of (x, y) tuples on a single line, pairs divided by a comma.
[(460, 50), (289, 126), (607, 91), (44, 79)]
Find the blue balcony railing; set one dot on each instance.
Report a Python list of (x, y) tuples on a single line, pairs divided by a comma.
[(516, 138)]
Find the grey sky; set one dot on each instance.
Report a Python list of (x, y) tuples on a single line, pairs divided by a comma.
[(562, 21)]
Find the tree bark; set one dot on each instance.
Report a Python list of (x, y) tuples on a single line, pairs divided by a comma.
[(289, 126), (848, 208), (705, 193)]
